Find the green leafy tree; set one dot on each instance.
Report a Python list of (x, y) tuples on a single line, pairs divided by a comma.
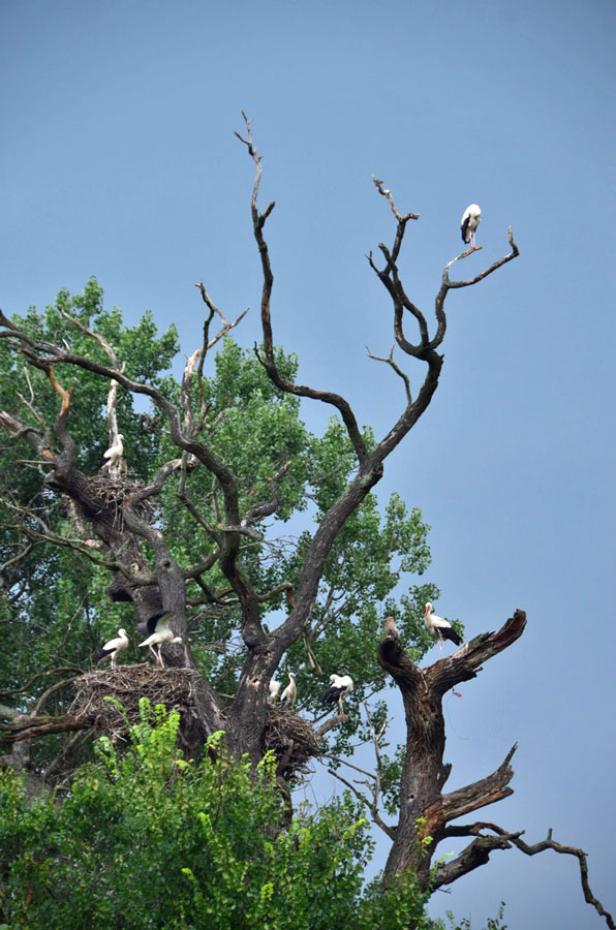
[(126, 490), (146, 839)]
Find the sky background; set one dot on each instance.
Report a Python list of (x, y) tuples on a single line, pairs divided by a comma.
[(118, 160)]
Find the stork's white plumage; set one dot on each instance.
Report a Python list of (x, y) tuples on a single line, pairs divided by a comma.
[(114, 453), (159, 628), (439, 627), (274, 691), (289, 695), (111, 649), (469, 223), (339, 685)]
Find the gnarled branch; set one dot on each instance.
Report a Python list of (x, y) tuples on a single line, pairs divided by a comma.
[(515, 839)]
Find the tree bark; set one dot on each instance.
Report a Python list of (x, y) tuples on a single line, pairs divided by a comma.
[(425, 810)]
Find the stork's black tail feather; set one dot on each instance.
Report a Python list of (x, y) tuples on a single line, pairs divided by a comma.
[(448, 632), (332, 694)]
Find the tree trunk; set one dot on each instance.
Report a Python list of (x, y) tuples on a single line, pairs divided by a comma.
[(424, 810)]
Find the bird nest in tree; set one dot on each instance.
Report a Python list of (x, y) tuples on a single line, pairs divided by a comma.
[(109, 490), (177, 688), (291, 738)]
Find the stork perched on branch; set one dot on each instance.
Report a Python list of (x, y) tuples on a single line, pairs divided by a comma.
[(339, 685), (439, 627), (111, 649), (469, 223), (159, 628)]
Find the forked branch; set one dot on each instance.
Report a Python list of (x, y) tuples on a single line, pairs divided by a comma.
[(446, 872), (268, 358)]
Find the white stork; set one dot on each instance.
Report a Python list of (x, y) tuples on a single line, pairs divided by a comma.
[(439, 627), (111, 649), (469, 223), (114, 453), (289, 695), (274, 691), (159, 628), (339, 685)]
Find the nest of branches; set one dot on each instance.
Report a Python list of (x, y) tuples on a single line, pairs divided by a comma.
[(176, 688), (291, 738), (112, 490)]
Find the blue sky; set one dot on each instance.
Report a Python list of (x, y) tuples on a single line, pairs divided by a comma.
[(118, 160)]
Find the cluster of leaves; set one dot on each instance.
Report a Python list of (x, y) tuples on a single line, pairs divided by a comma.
[(146, 839), (493, 923)]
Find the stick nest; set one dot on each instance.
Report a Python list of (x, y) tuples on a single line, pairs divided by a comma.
[(176, 688), (291, 738)]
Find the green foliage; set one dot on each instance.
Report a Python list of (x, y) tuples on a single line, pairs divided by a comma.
[(493, 923), (146, 839)]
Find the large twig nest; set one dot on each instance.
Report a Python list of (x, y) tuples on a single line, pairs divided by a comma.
[(177, 688), (292, 739)]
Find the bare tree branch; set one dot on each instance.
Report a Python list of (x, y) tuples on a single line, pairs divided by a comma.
[(515, 839), (389, 360), (472, 857), (24, 726), (268, 360), (447, 284), (263, 509), (467, 661), (479, 794)]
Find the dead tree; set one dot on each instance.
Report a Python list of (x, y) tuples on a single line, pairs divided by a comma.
[(426, 811), (116, 517)]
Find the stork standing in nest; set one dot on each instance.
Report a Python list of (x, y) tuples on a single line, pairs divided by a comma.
[(111, 649), (159, 628), (289, 695), (114, 453), (274, 691)]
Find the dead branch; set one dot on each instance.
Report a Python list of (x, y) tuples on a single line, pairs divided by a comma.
[(268, 359), (64, 396), (448, 285), (76, 545), (472, 857), (515, 839), (384, 192), (259, 511), (34, 437), (389, 360), (48, 692), (25, 727), (98, 337), (52, 671), (466, 662), (479, 794)]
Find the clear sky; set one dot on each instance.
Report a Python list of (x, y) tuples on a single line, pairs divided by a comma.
[(118, 160)]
